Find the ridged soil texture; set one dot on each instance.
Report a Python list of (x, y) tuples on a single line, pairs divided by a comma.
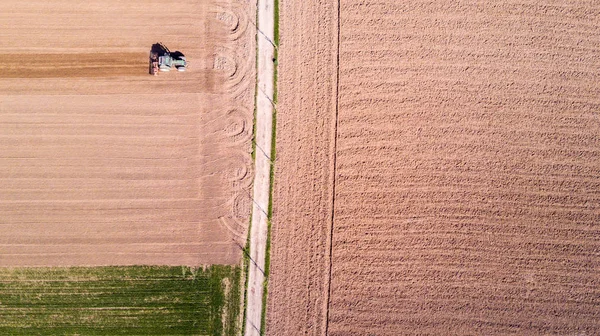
[(103, 164)]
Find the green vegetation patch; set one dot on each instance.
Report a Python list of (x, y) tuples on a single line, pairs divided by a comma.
[(114, 300)]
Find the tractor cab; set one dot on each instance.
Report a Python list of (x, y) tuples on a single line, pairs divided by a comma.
[(162, 59)]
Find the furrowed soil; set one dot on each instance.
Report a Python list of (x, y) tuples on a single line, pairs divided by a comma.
[(103, 164), (302, 204), (467, 172)]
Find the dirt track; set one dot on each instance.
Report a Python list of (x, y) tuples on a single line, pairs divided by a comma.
[(263, 131), (467, 176), (102, 164)]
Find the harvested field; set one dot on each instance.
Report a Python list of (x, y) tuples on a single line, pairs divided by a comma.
[(151, 300), (103, 164), (466, 178)]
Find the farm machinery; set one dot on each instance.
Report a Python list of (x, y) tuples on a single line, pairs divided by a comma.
[(163, 60)]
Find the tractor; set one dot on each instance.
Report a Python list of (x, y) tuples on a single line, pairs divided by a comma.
[(163, 60)]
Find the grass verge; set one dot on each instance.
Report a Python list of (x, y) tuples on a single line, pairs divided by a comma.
[(119, 300), (246, 271)]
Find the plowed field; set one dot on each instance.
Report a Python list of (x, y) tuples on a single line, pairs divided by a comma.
[(302, 195), (103, 164), (466, 177)]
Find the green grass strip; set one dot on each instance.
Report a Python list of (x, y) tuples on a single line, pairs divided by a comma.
[(246, 271)]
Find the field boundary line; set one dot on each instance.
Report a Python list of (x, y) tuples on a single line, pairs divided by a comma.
[(334, 170)]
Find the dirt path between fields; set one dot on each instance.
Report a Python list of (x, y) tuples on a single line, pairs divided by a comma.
[(264, 126)]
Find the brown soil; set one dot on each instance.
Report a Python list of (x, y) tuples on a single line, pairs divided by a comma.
[(103, 164), (467, 171), (74, 65), (302, 196)]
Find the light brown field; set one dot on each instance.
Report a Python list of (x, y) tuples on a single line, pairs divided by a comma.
[(302, 204), (302, 195), (467, 170), (102, 164)]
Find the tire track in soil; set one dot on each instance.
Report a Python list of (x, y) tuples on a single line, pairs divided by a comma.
[(234, 59), (72, 65), (334, 169)]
